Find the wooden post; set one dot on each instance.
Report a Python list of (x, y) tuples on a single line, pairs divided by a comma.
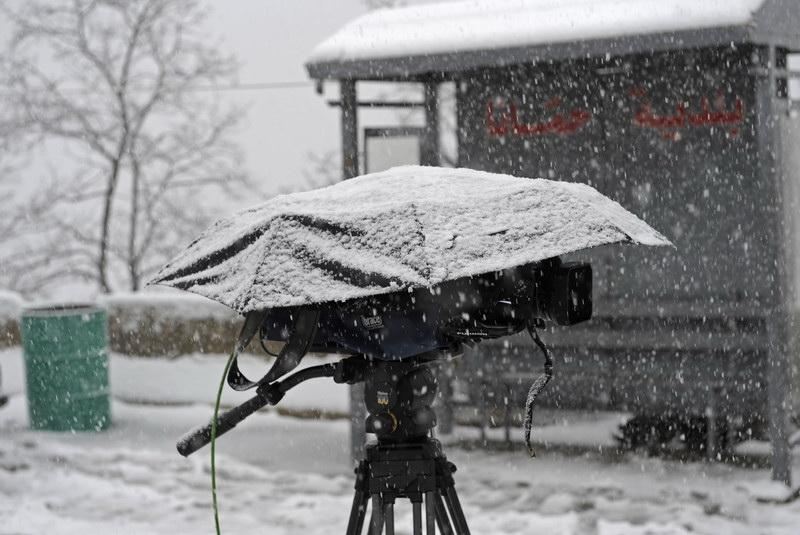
[(712, 423), (430, 156), (430, 142), (484, 411), (349, 109), (444, 406), (778, 366), (507, 422)]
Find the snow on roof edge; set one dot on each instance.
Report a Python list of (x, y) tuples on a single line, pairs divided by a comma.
[(444, 27)]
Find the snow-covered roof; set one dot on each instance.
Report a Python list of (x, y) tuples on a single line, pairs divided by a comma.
[(444, 36)]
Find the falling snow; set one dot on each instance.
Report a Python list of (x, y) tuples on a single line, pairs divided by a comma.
[(283, 475)]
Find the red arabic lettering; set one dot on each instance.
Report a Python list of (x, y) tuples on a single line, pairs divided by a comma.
[(508, 122), (683, 117)]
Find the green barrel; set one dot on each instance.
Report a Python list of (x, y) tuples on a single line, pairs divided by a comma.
[(66, 364)]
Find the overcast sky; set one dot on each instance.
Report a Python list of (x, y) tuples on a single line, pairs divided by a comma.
[(273, 38)]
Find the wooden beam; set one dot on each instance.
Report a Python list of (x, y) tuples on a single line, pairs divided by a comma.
[(380, 104)]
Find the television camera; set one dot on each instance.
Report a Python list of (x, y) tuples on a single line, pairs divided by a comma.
[(392, 341)]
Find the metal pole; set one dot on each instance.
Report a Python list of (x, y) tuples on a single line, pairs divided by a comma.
[(778, 367), (417, 515), (349, 109), (430, 514), (376, 523), (388, 517)]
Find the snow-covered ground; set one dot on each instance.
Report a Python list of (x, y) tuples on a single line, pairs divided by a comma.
[(279, 474)]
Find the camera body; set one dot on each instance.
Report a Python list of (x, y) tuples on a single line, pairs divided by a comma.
[(405, 324)]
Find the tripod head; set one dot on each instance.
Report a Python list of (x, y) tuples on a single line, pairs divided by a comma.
[(398, 397)]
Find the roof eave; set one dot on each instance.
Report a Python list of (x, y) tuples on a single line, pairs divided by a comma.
[(451, 63)]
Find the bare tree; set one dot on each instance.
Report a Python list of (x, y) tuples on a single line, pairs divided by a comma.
[(119, 94), (322, 170)]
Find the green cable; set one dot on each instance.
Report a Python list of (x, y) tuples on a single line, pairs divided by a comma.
[(214, 441)]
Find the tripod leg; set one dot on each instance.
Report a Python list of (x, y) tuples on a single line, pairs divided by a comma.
[(376, 523), (357, 513), (430, 514), (417, 510), (388, 517), (442, 519), (456, 513)]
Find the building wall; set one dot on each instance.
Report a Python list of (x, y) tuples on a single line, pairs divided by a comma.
[(672, 137), (696, 183)]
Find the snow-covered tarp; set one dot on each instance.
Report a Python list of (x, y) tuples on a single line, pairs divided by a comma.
[(499, 24), (408, 227)]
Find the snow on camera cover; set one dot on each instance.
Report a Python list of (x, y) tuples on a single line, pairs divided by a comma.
[(408, 227)]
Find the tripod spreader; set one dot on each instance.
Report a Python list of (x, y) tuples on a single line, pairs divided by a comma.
[(349, 370)]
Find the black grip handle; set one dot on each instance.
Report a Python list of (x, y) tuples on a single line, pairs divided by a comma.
[(268, 394), (197, 438)]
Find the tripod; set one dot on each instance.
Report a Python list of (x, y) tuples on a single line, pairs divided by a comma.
[(404, 462), (418, 471)]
